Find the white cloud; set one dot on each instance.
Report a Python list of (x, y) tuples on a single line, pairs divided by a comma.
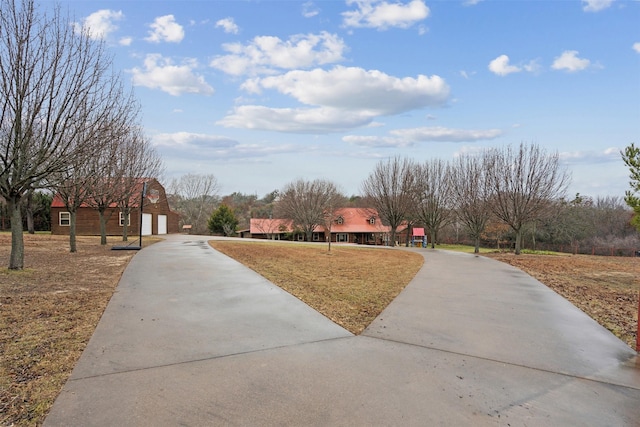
[(471, 2), (125, 41), (183, 140), (264, 54), (309, 9), (501, 66), (197, 146), (376, 141), (165, 29), (532, 66), (442, 134), (595, 5), (294, 120), (161, 73), (228, 25), (467, 75), (636, 47), (352, 88), (341, 99), (608, 155), (411, 136), (381, 14), (100, 24), (570, 62)]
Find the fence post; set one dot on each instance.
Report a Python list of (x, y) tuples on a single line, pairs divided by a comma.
[(638, 331)]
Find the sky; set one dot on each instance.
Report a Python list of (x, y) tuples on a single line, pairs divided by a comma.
[(262, 93)]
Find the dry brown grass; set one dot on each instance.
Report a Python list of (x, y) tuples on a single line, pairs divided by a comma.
[(349, 285), (48, 312)]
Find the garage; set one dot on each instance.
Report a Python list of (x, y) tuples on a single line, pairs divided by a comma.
[(147, 220), (162, 224)]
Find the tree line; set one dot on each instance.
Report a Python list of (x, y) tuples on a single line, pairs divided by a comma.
[(500, 194)]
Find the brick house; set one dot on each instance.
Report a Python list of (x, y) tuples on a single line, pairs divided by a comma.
[(157, 218), (350, 225)]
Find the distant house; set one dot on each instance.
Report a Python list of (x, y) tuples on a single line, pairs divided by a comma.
[(157, 217), (350, 225), (272, 229)]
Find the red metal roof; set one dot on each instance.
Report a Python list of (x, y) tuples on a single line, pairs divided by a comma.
[(346, 220), (356, 220), (270, 226), (58, 202)]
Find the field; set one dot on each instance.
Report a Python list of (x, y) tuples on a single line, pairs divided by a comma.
[(49, 311)]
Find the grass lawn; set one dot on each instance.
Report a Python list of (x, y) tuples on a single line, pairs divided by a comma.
[(350, 285)]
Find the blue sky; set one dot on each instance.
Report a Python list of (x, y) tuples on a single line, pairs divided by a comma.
[(260, 93)]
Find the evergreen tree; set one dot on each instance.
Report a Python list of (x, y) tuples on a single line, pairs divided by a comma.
[(631, 158), (223, 220)]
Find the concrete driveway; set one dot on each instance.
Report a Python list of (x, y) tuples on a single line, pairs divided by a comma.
[(193, 338)]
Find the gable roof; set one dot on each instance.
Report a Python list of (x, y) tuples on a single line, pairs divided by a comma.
[(357, 220), (354, 220), (270, 226), (134, 200)]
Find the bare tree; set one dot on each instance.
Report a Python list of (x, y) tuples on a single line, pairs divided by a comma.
[(83, 181), (308, 203), (523, 182), (195, 197), (470, 195), (50, 77), (391, 188), (335, 202), (136, 161), (72, 188), (433, 192), (118, 125)]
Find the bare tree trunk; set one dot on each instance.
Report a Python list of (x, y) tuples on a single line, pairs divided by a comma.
[(29, 211), (103, 227), (476, 250), (72, 231), (518, 241), (125, 222), (16, 259)]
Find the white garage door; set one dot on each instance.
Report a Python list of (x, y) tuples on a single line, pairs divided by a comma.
[(162, 224), (146, 224)]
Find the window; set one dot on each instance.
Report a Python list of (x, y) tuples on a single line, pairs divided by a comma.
[(340, 220), (316, 237), (372, 220), (65, 219), (121, 220), (342, 237)]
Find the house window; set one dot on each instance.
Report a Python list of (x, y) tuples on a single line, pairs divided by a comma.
[(121, 220), (65, 219), (372, 220), (316, 237), (342, 237), (340, 220)]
